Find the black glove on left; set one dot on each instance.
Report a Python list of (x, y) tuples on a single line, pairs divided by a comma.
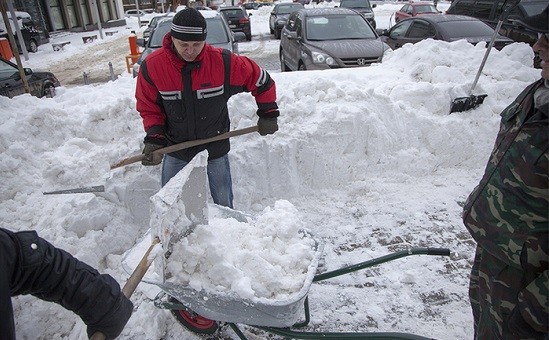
[(267, 126), (152, 144)]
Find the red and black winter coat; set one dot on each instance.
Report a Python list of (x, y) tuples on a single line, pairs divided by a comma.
[(184, 101)]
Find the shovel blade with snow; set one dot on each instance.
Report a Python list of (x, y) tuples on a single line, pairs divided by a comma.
[(138, 158), (462, 104)]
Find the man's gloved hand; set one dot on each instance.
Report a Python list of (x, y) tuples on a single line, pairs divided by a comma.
[(112, 324), (153, 143), (267, 126)]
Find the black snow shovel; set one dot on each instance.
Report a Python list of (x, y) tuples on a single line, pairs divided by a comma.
[(461, 104)]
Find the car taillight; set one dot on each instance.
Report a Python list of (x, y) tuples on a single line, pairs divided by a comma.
[(244, 20)]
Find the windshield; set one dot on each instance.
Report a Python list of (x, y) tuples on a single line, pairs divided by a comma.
[(216, 32), (287, 9), (355, 4), (457, 30), (338, 27), (426, 9)]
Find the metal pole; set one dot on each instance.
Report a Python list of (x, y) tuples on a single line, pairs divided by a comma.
[(138, 14), (111, 71), (17, 29), (15, 49), (95, 6)]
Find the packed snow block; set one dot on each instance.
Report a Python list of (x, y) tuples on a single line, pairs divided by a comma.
[(180, 204), (89, 38), (58, 46)]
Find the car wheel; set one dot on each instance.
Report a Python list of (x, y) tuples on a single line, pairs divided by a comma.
[(283, 66), (33, 46), (302, 66), (277, 34)]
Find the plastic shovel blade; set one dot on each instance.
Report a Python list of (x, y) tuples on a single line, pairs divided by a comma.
[(462, 104)]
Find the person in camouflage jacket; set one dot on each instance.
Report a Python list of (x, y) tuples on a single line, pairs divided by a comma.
[(508, 216)]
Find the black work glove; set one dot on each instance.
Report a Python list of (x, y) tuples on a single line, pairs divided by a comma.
[(112, 324), (152, 144), (267, 126)]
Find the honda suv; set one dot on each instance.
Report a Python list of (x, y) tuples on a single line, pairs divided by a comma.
[(238, 20)]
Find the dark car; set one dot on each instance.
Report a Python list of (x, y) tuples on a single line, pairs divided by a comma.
[(363, 7), (414, 9), (33, 36), (152, 23), (41, 84), (490, 11), (251, 5), (238, 20), (219, 35), (280, 14), (444, 27), (328, 38)]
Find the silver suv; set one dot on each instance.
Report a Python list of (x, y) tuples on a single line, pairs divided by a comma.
[(219, 35)]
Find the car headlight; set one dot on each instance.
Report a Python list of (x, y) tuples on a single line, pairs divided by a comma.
[(322, 58), (368, 15)]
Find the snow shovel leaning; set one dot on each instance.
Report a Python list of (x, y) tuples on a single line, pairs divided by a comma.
[(461, 104), (135, 278)]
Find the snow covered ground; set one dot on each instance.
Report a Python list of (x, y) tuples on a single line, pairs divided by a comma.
[(369, 158)]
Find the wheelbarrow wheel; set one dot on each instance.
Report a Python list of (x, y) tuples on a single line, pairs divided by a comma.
[(195, 322)]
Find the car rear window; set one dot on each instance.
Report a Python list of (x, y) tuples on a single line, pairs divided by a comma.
[(233, 13), (456, 29)]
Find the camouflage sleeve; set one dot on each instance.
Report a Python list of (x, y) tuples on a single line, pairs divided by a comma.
[(534, 303)]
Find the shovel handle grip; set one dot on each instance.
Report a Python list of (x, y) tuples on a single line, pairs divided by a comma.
[(185, 145), (134, 279)]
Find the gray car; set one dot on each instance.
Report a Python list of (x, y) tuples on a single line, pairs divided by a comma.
[(328, 38), (280, 14), (219, 35)]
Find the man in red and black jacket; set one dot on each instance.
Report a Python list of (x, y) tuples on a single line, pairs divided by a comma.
[(182, 93)]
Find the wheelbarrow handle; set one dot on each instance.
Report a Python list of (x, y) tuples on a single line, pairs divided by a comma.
[(382, 259), (135, 278)]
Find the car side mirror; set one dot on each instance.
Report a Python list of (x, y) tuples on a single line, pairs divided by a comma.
[(28, 71), (239, 36), (382, 31), (374, 5)]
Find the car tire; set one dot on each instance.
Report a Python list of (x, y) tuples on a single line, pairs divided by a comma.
[(283, 66), (249, 37), (302, 66), (277, 34), (33, 46)]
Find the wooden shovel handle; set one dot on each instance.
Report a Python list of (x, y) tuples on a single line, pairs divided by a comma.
[(134, 279), (185, 145)]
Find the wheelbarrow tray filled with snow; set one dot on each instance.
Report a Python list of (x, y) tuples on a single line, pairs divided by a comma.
[(229, 307)]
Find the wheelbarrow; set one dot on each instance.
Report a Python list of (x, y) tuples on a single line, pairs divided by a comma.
[(200, 312), (177, 209)]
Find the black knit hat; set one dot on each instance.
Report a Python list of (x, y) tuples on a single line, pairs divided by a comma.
[(189, 25), (537, 23)]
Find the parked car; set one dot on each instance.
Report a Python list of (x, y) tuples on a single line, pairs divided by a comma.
[(152, 23), (363, 7), (33, 36), (280, 14), (135, 13), (238, 20), (251, 5), (490, 11), (444, 27), (41, 84), (415, 8), (219, 34), (328, 38)]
